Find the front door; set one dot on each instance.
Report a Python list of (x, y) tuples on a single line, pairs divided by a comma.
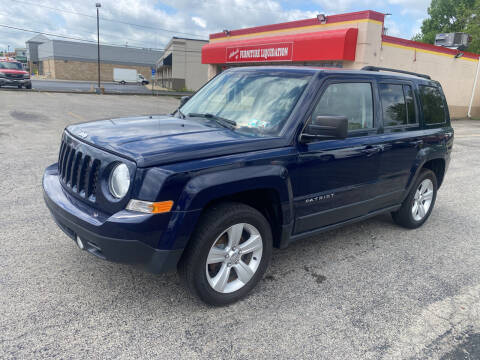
[(336, 180)]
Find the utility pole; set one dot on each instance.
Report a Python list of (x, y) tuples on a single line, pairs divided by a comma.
[(98, 6)]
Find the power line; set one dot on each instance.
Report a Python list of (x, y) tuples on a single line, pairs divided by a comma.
[(45, 33), (80, 32), (87, 40), (107, 19), (69, 37)]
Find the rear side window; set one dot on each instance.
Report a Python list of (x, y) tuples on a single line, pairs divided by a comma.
[(353, 100), (397, 104), (432, 104)]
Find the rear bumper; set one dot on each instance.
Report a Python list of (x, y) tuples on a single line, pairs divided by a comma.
[(100, 235)]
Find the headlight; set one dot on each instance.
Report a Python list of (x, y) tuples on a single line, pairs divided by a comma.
[(119, 181), (26, 76)]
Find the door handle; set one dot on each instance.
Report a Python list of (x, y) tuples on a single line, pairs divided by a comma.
[(417, 143), (371, 150)]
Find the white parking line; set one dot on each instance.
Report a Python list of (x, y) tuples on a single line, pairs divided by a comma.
[(76, 116)]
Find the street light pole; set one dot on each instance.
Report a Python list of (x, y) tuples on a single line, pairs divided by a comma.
[(98, 6)]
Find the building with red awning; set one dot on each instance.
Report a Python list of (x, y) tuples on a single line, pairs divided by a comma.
[(349, 41)]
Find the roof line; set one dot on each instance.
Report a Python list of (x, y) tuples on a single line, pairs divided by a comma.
[(427, 47), (331, 19)]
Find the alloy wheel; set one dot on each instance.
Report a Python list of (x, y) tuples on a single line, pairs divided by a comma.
[(234, 258), (422, 200)]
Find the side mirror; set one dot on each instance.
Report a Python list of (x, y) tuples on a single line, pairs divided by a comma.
[(183, 100), (326, 128)]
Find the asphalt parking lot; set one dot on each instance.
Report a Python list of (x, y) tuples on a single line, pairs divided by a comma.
[(111, 87), (368, 291)]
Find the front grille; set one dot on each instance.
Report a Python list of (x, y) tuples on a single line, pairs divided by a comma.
[(14, 76), (78, 171)]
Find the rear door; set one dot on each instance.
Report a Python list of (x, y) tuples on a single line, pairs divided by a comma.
[(402, 138)]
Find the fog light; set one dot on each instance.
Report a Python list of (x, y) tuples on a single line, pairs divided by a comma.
[(150, 207), (80, 243)]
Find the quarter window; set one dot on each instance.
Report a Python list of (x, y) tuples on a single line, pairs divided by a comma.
[(432, 104), (412, 117), (352, 100), (397, 104)]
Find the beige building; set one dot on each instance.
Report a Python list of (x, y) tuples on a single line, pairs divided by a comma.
[(350, 41), (70, 60), (180, 67)]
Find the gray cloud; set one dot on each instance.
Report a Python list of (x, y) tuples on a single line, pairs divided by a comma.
[(183, 18), (189, 18)]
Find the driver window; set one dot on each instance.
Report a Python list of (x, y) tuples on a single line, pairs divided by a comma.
[(353, 100)]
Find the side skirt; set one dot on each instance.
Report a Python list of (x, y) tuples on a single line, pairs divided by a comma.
[(340, 224)]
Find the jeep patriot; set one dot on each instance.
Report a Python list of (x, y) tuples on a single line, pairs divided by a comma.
[(258, 158)]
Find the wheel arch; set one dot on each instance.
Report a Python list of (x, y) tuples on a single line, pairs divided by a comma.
[(265, 188), (438, 167), (266, 201), (432, 158)]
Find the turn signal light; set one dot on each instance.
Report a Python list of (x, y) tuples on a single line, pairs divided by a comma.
[(150, 207)]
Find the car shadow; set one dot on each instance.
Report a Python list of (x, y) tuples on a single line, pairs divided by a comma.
[(303, 256)]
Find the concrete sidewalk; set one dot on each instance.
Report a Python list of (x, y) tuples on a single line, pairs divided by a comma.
[(89, 87), (81, 87)]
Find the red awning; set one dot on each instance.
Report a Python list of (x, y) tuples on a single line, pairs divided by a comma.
[(315, 46)]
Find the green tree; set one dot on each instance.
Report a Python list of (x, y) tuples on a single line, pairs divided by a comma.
[(472, 27), (452, 16)]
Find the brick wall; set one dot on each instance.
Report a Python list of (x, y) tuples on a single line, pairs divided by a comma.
[(83, 70), (48, 68)]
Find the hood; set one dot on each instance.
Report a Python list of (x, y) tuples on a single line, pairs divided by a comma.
[(157, 140)]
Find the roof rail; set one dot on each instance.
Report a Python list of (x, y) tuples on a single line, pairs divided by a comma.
[(376, 68)]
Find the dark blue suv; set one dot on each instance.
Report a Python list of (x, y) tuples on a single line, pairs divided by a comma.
[(258, 158)]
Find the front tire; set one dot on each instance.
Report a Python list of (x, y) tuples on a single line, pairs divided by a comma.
[(418, 205), (228, 253)]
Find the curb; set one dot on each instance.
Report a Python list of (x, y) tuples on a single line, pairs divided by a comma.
[(156, 93)]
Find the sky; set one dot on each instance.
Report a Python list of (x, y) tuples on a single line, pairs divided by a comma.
[(151, 23)]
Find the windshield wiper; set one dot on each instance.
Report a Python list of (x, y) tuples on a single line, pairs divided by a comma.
[(182, 115), (222, 121)]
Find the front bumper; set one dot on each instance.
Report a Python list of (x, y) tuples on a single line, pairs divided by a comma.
[(15, 82), (108, 237)]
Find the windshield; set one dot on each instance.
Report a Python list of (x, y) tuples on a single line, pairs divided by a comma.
[(10, 65), (257, 102)]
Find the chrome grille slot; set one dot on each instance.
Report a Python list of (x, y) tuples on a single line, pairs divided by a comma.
[(70, 158), (14, 76)]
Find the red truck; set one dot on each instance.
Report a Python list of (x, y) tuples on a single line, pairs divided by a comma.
[(13, 74)]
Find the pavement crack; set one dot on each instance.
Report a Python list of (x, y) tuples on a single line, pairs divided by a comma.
[(319, 278)]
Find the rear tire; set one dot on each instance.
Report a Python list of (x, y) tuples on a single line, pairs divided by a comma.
[(19, 86), (228, 253), (418, 205)]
